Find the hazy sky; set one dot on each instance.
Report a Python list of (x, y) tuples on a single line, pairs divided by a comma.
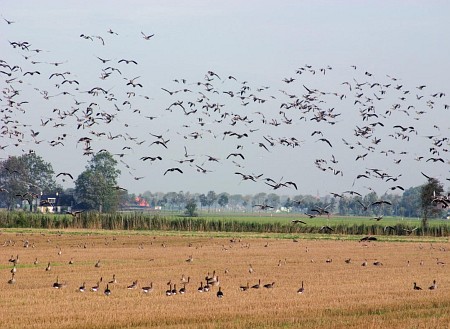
[(263, 79)]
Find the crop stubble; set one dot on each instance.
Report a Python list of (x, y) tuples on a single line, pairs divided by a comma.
[(337, 294)]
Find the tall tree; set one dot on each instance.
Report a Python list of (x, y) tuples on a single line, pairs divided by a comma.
[(191, 207), (235, 201), (410, 203), (171, 199), (211, 197), (273, 200), (203, 200), (95, 188), (222, 199), (27, 175), (427, 193), (259, 198)]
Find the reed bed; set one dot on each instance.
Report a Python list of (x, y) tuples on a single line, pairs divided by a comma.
[(275, 224), (337, 294)]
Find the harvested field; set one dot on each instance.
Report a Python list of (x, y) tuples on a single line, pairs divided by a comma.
[(337, 294)]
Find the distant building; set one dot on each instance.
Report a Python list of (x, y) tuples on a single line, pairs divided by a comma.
[(55, 203), (141, 202)]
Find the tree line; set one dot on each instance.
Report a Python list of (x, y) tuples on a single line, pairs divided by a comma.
[(24, 178)]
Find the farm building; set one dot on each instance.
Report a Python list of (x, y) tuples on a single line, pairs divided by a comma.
[(55, 203)]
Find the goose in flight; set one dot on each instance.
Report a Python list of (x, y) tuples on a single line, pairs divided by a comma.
[(74, 213), (65, 174), (326, 228), (263, 206), (408, 231), (8, 21), (127, 61), (321, 210), (173, 169), (380, 202), (147, 37), (368, 238), (365, 208)]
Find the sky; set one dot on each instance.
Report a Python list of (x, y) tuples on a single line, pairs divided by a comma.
[(241, 96)]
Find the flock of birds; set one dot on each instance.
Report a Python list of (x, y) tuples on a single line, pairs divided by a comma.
[(366, 118), (207, 284), (210, 281)]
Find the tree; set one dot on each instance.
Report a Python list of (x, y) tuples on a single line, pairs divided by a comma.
[(259, 198), (27, 175), (273, 200), (235, 201), (182, 199), (211, 197), (203, 200), (171, 199), (427, 194), (222, 199), (95, 188), (191, 207), (410, 203)]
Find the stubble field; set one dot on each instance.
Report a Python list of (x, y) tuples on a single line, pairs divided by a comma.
[(337, 294)]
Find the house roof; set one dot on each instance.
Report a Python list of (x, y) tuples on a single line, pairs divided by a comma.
[(60, 199)]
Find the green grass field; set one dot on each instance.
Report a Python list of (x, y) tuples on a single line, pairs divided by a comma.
[(259, 222)]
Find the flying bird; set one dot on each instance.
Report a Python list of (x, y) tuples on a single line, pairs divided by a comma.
[(74, 213), (147, 37), (127, 61), (236, 155), (65, 174), (172, 170), (296, 221), (380, 202), (326, 141)]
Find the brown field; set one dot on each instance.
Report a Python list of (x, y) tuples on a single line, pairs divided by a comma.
[(337, 294)]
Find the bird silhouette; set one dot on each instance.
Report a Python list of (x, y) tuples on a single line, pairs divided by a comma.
[(172, 170)]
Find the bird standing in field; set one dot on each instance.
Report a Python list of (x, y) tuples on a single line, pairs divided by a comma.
[(433, 285), (57, 284), (256, 286), (95, 288), (133, 285), (113, 281), (148, 289), (269, 285), (244, 288), (12, 280), (107, 290), (220, 293), (301, 290)]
